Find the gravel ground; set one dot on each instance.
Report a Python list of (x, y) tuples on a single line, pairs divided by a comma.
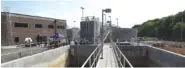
[(176, 50)]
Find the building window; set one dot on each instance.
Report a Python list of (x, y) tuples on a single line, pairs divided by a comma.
[(60, 27), (38, 25), (16, 39), (25, 25), (50, 26)]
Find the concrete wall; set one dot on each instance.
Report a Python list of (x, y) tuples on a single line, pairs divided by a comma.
[(81, 53), (166, 58), (20, 54), (135, 54), (148, 56), (123, 34), (55, 57)]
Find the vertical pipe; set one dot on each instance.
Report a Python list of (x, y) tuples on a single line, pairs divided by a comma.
[(82, 12), (105, 18), (117, 22), (110, 30), (102, 36)]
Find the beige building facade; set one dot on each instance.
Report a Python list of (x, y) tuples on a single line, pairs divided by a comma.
[(16, 27)]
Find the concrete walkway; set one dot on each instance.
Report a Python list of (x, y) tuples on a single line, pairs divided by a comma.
[(108, 57)]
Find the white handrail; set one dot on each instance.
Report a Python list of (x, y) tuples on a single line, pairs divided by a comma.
[(123, 56), (94, 52)]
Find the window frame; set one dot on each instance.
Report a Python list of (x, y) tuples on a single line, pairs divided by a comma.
[(61, 27), (50, 27), (20, 25), (38, 26)]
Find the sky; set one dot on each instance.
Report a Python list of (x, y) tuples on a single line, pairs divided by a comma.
[(128, 12)]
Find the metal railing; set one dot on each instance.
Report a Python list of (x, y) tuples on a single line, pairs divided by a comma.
[(94, 56), (120, 57)]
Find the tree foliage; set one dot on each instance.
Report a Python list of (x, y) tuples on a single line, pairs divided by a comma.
[(166, 28)]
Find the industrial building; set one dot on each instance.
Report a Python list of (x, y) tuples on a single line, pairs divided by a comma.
[(90, 29), (123, 34), (73, 34), (16, 27)]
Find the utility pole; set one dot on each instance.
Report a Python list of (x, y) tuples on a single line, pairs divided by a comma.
[(110, 24), (118, 29), (55, 32), (117, 21), (74, 23), (82, 11), (102, 34), (9, 26), (73, 32), (105, 17)]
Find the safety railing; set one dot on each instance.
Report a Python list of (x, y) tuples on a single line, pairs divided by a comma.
[(120, 57), (94, 56)]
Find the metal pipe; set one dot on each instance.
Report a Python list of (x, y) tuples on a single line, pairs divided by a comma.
[(110, 24), (102, 35), (82, 12), (105, 18)]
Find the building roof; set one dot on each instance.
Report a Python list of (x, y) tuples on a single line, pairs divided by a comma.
[(30, 16)]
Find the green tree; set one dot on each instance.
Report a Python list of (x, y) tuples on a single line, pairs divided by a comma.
[(167, 28)]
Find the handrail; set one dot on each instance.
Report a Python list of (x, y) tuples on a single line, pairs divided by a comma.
[(94, 52), (90, 56), (125, 59)]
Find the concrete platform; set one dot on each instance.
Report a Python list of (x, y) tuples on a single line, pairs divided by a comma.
[(108, 57)]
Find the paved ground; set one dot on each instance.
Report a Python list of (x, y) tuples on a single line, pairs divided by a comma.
[(108, 58), (8, 54)]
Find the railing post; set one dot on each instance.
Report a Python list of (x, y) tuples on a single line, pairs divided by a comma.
[(94, 58), (123, 61), (90, 62)]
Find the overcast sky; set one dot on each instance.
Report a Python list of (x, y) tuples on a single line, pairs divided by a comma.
[(129, 12)]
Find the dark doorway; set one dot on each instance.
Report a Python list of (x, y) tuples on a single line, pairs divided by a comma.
[(16, 39)]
